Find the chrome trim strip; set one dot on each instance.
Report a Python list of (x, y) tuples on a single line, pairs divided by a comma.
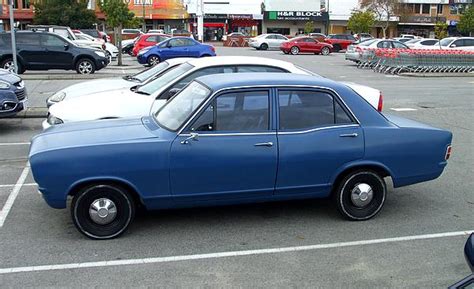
[(316, 129), (231, 134), (289, 86)]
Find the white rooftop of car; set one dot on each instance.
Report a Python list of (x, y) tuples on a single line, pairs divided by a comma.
[(240, 60)]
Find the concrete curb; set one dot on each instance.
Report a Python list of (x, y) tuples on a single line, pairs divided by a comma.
[(33, 112), (412, 74)]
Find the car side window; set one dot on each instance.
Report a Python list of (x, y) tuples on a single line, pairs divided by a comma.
[(176, 42), (458, 43), (428, 42), (28, 39), (270, 37), (257, 68), (205, 71), (188, 42), (399, 45), (309, 40), (279, 37), (51, 41), (151, 39), (246, 111), (384, 44), (468, 42), (300, 109)]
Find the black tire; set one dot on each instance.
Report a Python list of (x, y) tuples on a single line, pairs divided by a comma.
[(351, 204), (82, 204), (153, 60), (7, 64), (108, 56), (294, 50), (85, 66), (325, 51), (336, 48), (263, 46)]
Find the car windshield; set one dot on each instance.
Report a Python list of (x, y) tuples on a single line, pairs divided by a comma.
[(446, 41), (367, 42), (164, 79), (176, 111), (146, 74)]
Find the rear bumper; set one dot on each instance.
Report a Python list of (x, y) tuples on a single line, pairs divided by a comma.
[(352, 56)]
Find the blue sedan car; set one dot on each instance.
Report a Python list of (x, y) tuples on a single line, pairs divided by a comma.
[(13, 97), (231, 140), (172, 48)]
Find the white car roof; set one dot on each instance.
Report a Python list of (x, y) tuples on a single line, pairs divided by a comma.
[(179, 60), (243, 60)]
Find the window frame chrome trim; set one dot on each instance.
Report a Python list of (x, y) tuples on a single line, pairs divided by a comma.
[(316, 129), (277, 86)]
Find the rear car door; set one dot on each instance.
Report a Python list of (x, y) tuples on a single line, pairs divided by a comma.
[(30, 49), (191, 48), (57, 54), (235, 153), (279, 40), (317, 135)]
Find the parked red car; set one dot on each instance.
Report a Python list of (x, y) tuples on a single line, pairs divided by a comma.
[(340, 41), (305, 44), (147, 40)]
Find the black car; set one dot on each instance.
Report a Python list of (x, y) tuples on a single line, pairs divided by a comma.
[(37, 50), (13, 96), (468, 282)]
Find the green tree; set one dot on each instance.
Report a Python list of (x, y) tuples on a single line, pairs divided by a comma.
[(72, 13), (309, 27), (466, 22), (383, 10), (441, 30), (118, 16), (361, 21)]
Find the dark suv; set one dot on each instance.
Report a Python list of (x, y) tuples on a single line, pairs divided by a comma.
[(38, 50)]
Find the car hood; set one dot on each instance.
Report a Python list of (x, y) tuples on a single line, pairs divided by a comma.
[(90, 133), (95, 86), (110, 104), (9, 77)]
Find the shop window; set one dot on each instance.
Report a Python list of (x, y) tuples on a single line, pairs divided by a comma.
[(425, 8), (26, 4), (440, 8), (15, 4), (283, 31), (416, 8)]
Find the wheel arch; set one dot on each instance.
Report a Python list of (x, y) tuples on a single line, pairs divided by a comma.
[(82, 56), (10, 55), (77, 186), (379, 168)]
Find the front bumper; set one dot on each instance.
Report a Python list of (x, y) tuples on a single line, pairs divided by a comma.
[(13, 101), (142, 58), (101, 62), (17, 107)]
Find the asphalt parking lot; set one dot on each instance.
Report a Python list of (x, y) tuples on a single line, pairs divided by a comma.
[(415, 242)]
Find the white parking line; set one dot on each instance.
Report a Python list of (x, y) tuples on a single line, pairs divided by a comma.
[(24, 185), (227, 254), (14, 143), (11, 198), (404, 109)]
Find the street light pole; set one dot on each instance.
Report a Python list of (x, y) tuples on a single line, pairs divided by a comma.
[(12, 29), (144, 22), (200, 20)]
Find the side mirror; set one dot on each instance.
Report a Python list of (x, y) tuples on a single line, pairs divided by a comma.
[(168, 45), (172, 92), (452, 45), (66, 46)]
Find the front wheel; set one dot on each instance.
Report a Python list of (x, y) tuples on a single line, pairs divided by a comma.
[(294, 50), (360, 195), (102, 211), (325, 51), (153, 60), (85, 66), (264, 46)]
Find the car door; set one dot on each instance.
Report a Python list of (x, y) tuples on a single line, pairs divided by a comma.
[(56, 52), (233, 155), (468, 44), (279, 40), (191, 48), (317, 135), (30, 49), (176, 47), (271, 41), (311, 45)]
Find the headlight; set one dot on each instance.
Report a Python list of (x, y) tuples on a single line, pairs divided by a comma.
[(52, 120), (100, 53), (4, 85), (57, 97)]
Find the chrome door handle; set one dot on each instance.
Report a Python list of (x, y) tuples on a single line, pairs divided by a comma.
[(264, 144), (349, 135)]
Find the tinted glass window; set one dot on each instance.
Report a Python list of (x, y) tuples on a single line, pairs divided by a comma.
[(458, 43), (279, 37), (271, 37), (52, 41), (428, 42), (255, 68), (350, 37), (468, 42), (399, 45), (307, 109), (28, 39), (236, 111), (384, 44), (205, 71), (309, 40), (177, 42), (188, 42), (151, 39)]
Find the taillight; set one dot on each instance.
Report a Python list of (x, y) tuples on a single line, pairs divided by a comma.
[(448, 153), (380, 104)]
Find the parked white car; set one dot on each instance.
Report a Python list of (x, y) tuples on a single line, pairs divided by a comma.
[(107, 84), (267, 41), (354, 52), (140, 101), (458, 43), (422, 43), (111, 51)]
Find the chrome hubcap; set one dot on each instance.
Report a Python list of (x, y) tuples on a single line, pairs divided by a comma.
[(103, 211), (362, 195), (294, 50), (85, 67), (325, 51), (153, 61), (10, 66)]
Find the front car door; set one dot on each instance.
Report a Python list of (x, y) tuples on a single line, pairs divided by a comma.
[(56, 52), (317, 135), (234, 154)]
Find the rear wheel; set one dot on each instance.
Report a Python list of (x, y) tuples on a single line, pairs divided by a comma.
[(153, 60), (360, 195), (264, 46), (85, 66), (294, 50), (9, 65), (325, 51), (102, 211)]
